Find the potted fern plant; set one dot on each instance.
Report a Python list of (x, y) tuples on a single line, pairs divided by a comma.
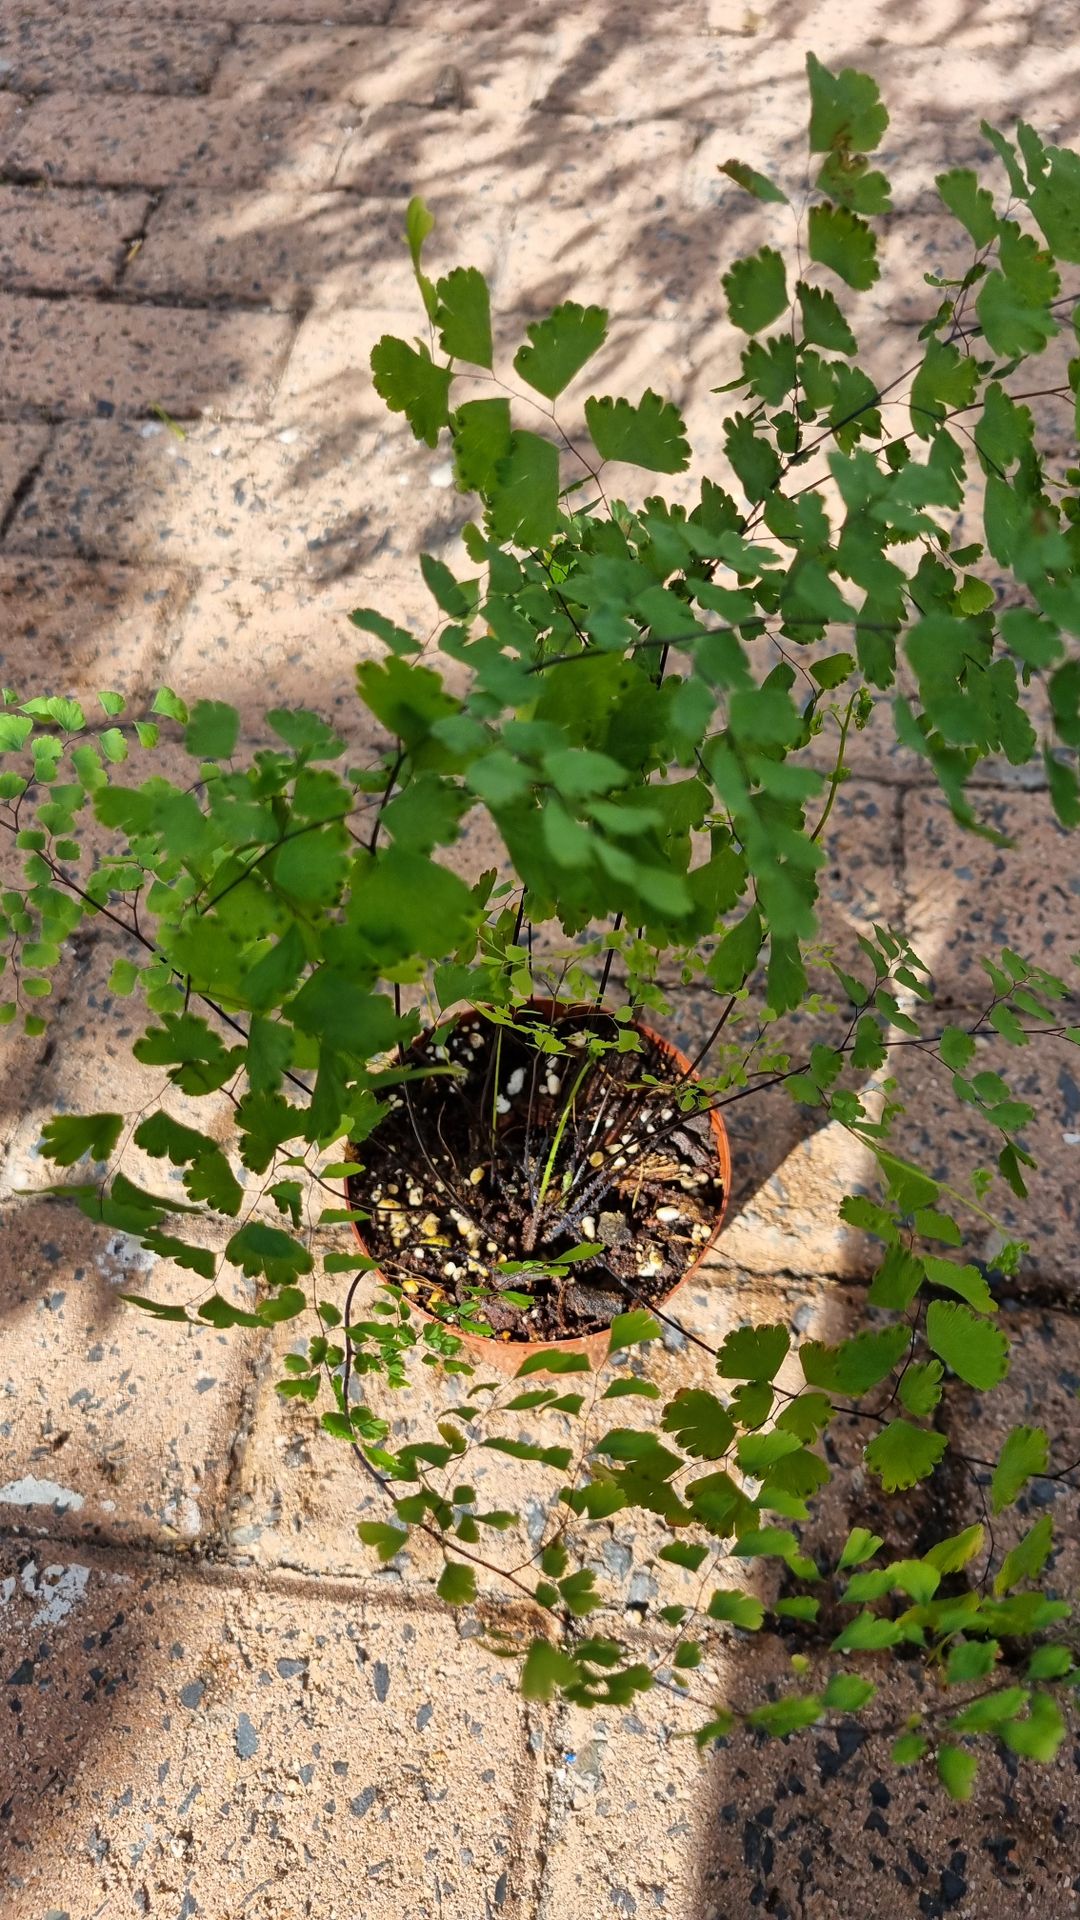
[(464, 1065)]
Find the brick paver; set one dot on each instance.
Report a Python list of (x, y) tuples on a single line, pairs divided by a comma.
[(66, 241), (76, 357), (219, 1704), (290, 249), (125, 140), (112, 51)]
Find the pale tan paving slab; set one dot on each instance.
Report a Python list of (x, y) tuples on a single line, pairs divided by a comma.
[(300, 1495), (83, 357), (70, 628), (264, 643), (378, 66), (137, 140), (857, 33), (543, 17), (324, 505), (222, 1749), (728, 83), (290, 249), (968, 897), (65, 242), (533, 161), (821, 1824)]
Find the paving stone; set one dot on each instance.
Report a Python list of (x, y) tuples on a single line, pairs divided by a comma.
[(237, 13), (861, 33), (21, 447), (281, 642), (239, 497), (207, 1748), (296, 250), (113, 51), (300, 1494), (69, 628), (143, 141), (600, 71), (543, 16), (328, 376), (790, 1176), (728, 82), (807, 1825), (1040, 1390), (374, 67), (114, 1425), (84, 357), (65, 242), (541, 161), (360, 13), (967, 897)]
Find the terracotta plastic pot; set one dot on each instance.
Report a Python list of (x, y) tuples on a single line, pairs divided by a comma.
[(506, 1356)]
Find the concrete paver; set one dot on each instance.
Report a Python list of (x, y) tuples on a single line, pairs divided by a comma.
[(968, 897), (112, 52), (115, 1426), (380, 66), (235, 495), (277, 641), (1040, 1390), (76, 357), (293, 250), (83, 628), (821, 1824), (185, 1746), (21, 447), (142, 140), (57, 241)]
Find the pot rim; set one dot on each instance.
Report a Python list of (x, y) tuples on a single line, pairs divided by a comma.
[(497, 1352)]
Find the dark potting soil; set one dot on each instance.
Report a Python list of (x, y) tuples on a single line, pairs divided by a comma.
[(469, 1172)]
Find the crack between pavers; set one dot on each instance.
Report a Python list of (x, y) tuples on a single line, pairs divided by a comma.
[(23, 488), (135, 242), (554, 1818), (223, 1574), (124, 298)]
